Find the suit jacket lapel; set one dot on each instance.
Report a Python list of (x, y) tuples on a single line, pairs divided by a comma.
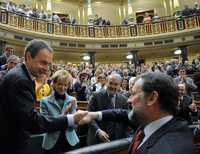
[(118, 101), (66, 102), (54, 102), (24, 68), (107, 101), (169, 126), (26, 71)]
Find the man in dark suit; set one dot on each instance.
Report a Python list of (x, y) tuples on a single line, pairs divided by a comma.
[(81, 87), (184, 104), (18, 118), (107, 99), (154, 100), (184, 79), (12, 61), (6, 54)]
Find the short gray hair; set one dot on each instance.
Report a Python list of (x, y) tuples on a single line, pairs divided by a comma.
[(13, 58), (115, 75), (61, 74), (131, 82), (34, 46)]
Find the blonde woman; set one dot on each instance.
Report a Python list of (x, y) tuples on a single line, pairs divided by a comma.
[(57, 104)]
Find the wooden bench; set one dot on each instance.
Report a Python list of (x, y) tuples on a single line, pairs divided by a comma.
[(82, 105)]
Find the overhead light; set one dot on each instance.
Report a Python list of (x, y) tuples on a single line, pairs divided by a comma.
[(98, 2), (86, 57), (129, 56), (177, 52)]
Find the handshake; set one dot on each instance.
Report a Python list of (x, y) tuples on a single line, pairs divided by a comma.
[(85, 117)]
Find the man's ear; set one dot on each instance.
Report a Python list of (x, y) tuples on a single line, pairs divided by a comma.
[(53, 85), (152, 98), (28, 56)]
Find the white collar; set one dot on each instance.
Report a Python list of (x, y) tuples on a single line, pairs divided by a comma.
[(154, 126), (33, 78)]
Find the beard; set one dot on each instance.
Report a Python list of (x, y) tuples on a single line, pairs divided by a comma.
[(135, 117), (132, 114)]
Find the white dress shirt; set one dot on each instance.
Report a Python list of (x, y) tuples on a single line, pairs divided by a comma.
[(154, 126)]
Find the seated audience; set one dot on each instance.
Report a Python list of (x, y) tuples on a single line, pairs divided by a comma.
[(184, 102), (12, 61), (42, 88), (147, 18), (183, 78), (126, 74), (100, 84), (10, 7), (55, 18), (107, 99), (81, 87), (124, 89), (3, 58), (186, 11), (93, 79), (125, 21), (156, 18), (196, 9)]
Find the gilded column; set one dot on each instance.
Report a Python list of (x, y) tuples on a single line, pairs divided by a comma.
[(184, 53), (92, 58), (2, 46), (130, 11), (49, 6), (135, 59), (88, 13), (120, 11), (165, 7)]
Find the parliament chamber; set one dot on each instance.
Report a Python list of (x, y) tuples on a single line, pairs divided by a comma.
[(101, 46)]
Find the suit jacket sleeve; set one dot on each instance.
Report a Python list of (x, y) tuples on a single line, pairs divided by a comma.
[(190, 84), (92, 107), (119, 115), (78, 88), (43, 107), (22, 100)]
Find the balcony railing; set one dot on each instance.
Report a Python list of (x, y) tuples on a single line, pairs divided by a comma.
[(119, 31)]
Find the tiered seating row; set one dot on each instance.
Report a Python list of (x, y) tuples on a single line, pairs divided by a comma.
[(119, 31)]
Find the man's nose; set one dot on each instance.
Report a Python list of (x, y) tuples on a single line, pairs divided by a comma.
[(62, 88), (113, 86)]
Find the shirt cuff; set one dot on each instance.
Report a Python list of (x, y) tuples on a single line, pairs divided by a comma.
[(97, 132), (99, 118), (71, 122)]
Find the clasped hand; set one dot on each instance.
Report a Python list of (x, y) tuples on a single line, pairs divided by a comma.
[(84, 117)]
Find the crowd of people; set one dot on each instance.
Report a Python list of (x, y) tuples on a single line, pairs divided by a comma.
[(94, 20), (55, 89), (153, 103), (29, 12), (187, 11), (98, 21), (154, 17)]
